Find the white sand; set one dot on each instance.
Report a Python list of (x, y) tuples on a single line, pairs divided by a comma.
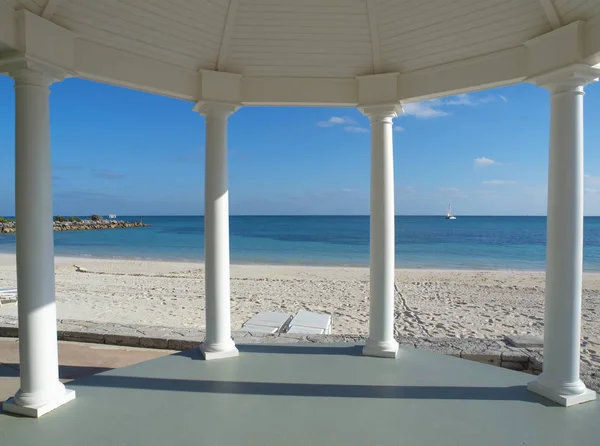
[(439, 303)]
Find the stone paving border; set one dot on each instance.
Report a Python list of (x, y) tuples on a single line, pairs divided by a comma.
[(489, 351)]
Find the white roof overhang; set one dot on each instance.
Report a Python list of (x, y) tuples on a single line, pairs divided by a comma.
[(27, 37)]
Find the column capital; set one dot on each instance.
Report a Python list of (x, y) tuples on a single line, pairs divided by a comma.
[(216, 108), (27, 71), (27, 76), (381, 112), (569, 78)]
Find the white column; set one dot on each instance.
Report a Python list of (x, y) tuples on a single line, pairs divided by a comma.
[(218, 343), (41, 391), (381, 340), (560, 380)]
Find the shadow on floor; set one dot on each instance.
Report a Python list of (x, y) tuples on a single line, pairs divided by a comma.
[(64, 371), (513, 393), (510, 393), (294, 349)]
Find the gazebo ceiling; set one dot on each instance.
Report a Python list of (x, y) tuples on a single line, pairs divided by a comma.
[(315, 38), (308, 39)]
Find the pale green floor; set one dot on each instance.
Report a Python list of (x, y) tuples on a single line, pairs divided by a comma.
[(307, 395)]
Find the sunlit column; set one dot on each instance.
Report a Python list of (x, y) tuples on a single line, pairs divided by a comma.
[(560, 380), (218, 343), (41, 391), (381, 340)]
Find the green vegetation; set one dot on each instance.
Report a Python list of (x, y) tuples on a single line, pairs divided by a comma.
[(9, 225), (60, 219)]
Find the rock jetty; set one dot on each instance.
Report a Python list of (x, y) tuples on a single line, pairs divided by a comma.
[(84, 225)]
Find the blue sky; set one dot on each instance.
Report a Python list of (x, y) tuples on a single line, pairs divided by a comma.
[(131, 153)]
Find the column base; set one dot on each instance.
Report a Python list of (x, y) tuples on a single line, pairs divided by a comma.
[(210, 352), (36, 411), (386, 349), (561, 396)]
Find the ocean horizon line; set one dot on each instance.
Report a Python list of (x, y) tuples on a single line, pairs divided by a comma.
[(303, 215), (421, 242), (130, 216)]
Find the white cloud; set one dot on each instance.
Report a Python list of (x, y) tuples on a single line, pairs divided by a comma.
[(435, 108), (592, 184), (336, 120), (350, 125), (461, 99), (483, 161), (592, 181), (347, 190), (503, 98), (449, 189), (397, 128), (356, 129), (466, 99), (407, 190), (499, 182), (425, 109)]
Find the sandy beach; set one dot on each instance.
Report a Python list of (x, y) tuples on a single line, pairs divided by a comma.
[(429, 303)]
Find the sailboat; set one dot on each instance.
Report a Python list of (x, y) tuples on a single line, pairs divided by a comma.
[(449, 215)]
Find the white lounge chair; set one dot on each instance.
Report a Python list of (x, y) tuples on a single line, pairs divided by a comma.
[(267, 322), (8, 296), (310, 323)]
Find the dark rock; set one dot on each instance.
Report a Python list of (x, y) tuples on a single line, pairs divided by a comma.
[(85, 225), (512, 365)]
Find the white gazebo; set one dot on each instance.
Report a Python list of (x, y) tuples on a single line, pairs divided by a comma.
[(371, 54)]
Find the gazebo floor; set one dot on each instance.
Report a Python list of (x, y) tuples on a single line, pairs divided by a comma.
[(307, 395)]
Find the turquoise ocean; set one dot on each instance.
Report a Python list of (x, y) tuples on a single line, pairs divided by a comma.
[(421, 242)]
